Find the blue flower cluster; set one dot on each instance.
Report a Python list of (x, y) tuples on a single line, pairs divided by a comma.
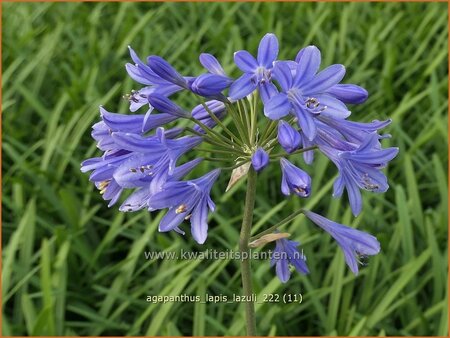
[(305, 110)]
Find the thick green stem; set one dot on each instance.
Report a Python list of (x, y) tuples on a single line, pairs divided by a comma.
[(245, 252)]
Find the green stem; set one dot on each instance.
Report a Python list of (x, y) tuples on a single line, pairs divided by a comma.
[(295, 152), (221, 124), (245, 252)]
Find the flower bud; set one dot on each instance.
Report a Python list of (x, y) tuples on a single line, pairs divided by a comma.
[(288, 137), (260, 159)]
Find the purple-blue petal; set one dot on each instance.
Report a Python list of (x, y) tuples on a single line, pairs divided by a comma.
[(245, 61), (349, 93), (282, 73), (277, 107), (242, 87), (211, 64), (164, 105), (308, 60), (260, 159), (267, 50), (327, 78), (165, 70)]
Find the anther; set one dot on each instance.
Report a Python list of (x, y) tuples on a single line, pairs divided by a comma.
[(181, 208)]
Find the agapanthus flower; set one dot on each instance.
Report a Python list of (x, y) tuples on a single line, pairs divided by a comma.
[(360, 168), (186, 200), (354, 243), (305, 93), (285, 254), (150, 156), (257, 72), (294, 180)]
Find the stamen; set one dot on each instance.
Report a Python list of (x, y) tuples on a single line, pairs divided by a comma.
[(181, 208), (300, 190), (312, 103), (368, 184)]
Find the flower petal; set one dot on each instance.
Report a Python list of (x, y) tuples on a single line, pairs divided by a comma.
[(348, 93), (306, 122), (211, 64), (164, 105), (210, 84), (171, 220), (282, 73), (308, 60), (277, 107), (165, 70), (327, 78), (199, 222), (282, 270), (242, 87), (245, 61), (267, 50), (334, 108)]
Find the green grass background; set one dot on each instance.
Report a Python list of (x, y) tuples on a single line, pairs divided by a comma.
[(71, 266)]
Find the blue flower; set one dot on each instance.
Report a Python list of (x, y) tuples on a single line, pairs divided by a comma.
[(139, 199), (288, 137), (136, 124), (355, 132), (359, 167), (186, 200), (213, 83), (294, 179), (260, 159), (354, 243), (304, 94), (257, 72), (142, 73), (152, 151), (103, 169), (286, 253)]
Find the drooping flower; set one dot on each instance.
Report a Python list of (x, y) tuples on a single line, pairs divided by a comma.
[(257, 72), (186, 200), (354, 243), (260, 159), (359, 168), (288, 137), (285, 254), (294, 179)]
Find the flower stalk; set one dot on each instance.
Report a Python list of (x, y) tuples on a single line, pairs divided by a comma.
[(244, 249)]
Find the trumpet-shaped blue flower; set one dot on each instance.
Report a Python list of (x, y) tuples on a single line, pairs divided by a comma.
[(257, 72), (294, 179), (359, 168), (285, 254), (354, 243), (186, 200)]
